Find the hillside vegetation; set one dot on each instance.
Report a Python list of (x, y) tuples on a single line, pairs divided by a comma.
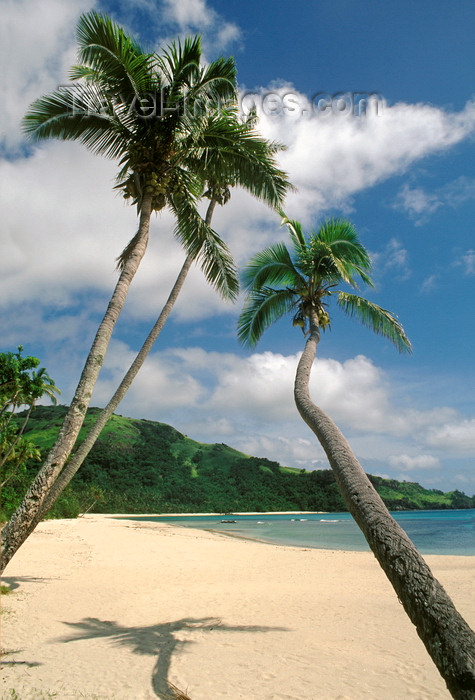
[(141, 466)]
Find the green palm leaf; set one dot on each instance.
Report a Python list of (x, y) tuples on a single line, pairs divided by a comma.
[(203, 244), (228, 152), (120, 62), (272, 266), (78, 113), (179, 63), (279, 281), (336, 254), (376, 318), (296, 234), (262, 308), (220, 78)]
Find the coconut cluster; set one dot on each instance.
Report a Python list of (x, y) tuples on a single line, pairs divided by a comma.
[(156, 185), (323, 318)]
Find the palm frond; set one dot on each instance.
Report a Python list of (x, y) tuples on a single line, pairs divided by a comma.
[(272, 266), (205, 246), (333, 268), (296, 233), (127, 252), (179, 63), (230, 153), (86, 73), (278, 282), (262, 308), (376, 318), (339, 229), (191, 88), (337, 254), (78, 113), (123, 66), (218, 81)]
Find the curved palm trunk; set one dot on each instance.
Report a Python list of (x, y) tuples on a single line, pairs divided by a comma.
[(24, 520), (445, 634), (85, 447)]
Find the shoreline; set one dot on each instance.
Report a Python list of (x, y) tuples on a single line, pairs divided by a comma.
[(110, 609), (214, 515), (351, 539), (269, 512)]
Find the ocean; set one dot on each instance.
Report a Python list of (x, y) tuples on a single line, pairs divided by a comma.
[(432, 531)]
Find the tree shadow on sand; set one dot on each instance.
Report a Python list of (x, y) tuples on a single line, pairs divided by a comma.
[(156, 640), (14, 582)]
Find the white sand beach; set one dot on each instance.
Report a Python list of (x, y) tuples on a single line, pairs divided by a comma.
[(113, 609)]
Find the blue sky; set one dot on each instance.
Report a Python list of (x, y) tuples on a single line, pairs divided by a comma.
[(403, 173)]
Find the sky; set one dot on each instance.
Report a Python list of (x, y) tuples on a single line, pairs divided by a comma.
[(402, 170)]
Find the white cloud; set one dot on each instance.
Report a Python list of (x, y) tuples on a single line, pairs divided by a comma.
[(37, 44), (393, 260), (160, 385), (420, 204), (354, 392), (197, 15), (188, 13), (66, 241), (459, 436), (251, 398), (467, 261), (333, 155), (71, 206), (407, 463), (248, 403), (70, 230), (429, 284), (417, 203)]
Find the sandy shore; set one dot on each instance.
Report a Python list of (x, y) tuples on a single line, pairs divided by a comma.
[(112, 609)]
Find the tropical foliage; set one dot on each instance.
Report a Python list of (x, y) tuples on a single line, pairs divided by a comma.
[(139, 466), (255, 160), (172, 125), (21, 385), (303, 280), (169, 121)]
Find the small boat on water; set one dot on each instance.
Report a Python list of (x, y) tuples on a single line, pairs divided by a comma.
[(229, 521)]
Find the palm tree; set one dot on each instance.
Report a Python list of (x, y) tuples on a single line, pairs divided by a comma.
[(251, 161), (21, 385), (162, 117), (303, 281)]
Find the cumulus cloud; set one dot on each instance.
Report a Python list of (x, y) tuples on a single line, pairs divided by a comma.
[(38, 46), (66, 240), (198, 16), (70, 228), (458, 435), (249, 402), (160, 386), (332, 155), (407, 463), (52, 251)]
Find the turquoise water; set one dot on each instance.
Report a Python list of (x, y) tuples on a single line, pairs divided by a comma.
[(433, 532)]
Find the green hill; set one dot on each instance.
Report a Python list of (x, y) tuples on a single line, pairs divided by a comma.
[(141, 466)]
